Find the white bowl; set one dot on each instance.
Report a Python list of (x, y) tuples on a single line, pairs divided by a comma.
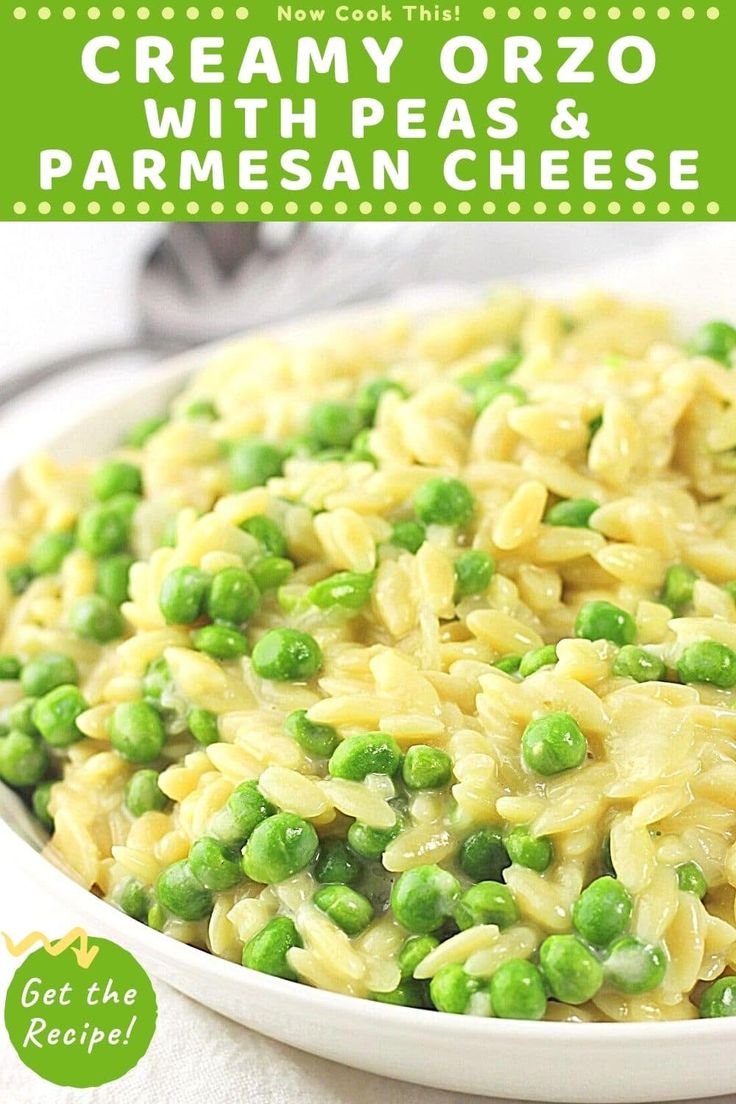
[(589, 1063)]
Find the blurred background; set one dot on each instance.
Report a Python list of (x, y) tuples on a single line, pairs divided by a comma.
[(69, 286), (87, 306)]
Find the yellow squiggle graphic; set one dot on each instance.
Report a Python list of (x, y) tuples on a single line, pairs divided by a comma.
[(84, 953)]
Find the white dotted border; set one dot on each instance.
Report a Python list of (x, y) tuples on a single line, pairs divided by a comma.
[(513, 13), (366, 207), (94, 13), (590, 13)]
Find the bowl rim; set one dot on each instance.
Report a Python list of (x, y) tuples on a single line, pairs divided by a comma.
[(190, 959)]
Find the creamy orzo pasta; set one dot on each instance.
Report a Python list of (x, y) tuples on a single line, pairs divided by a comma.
[(402, 663)]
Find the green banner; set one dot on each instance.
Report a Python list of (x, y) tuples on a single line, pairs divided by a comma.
[(386, 110)]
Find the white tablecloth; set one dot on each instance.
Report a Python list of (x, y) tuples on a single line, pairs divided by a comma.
[(196, 1056)]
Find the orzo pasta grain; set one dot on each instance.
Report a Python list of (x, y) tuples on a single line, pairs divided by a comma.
[(409, 672)]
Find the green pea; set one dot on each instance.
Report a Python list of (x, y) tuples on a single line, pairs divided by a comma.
[(45, 671), (287, 655), (319, 740), (709, 662), (116, 477), (40, 804), (444, 501), (426, 768), (360, 448), (604, 621), (133, 900), (424, 898), (279, 847), (369, 397), (96, 618), (408, 994), (509, 664), (156, 681), (269, 535), (112, 577), (553, 743), (413, 951), (20, 577), (336, 864), (573, 974), (370, 843), (409, 535), (452, 990), (168, 536), (141, 433), (183, 595), (638, 664), (103, 529), (244, 810), (55, 716), (716, 340), (573, 513), (346, 590), (253, 463), (634, 967), (473, 572), (137, 732), (181, 893), (363, 754), (220, 641), (301, 445), (143, 794), (691, 879), (517, 991), (233, 596), (719, 999), (19, 716), (23, 759), (483, 855), (679, 583), (533, 852), (350, 910), (213, 864), (267, 951), (125, 505), (49, 551), (271, 572), (593, 426), (157, 917), (203, 726), (486, 903), (203, 410), (537, 659), (5, 725), (498, 370), (10, 668), (335, 424), (602, 911), (487, 393)]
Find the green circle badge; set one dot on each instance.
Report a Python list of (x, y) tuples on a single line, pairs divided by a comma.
[(80, 1017)]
